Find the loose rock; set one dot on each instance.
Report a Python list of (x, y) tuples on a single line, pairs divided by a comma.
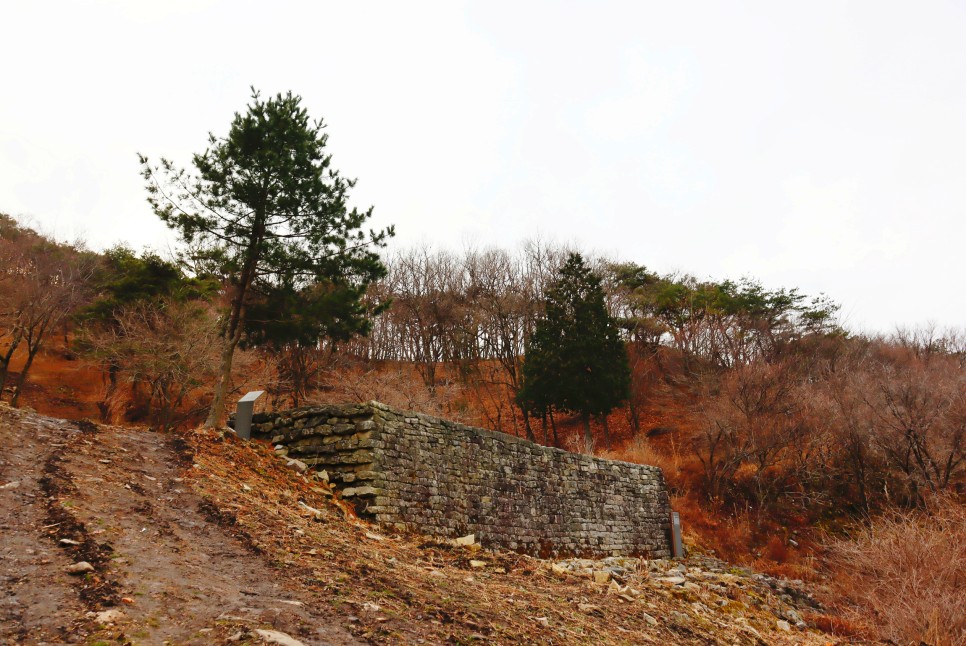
[(81, 567), (110, 616), (297, 465), (276, 637), (601, 576)]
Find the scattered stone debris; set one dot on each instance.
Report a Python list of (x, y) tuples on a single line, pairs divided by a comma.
[(110, 616), (711, 586), (81, 567), (707, 591), (276, 637), (297, 465), (318, 513)]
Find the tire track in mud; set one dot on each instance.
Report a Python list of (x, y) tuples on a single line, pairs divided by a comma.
[(167, 564), (96, 589), (39, 601)]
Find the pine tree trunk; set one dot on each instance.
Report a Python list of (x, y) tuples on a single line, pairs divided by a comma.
[(553, 426), (221, 388), (234, 327), (588, 438)]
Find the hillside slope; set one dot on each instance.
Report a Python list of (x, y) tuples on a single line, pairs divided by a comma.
[(159, 565), (203, 539)]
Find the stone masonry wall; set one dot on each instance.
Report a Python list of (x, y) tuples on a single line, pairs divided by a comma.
[(418, 473)]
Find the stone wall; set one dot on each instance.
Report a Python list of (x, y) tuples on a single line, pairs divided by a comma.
[(413, 472)]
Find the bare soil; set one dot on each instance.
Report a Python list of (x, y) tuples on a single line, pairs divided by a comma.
[(201, 538), (175, 566)]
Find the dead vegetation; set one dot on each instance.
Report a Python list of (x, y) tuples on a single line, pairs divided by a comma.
[(774, 428), (906, 575), (402, 589)]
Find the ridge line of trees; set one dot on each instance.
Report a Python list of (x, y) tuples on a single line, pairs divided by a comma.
[(777, 403)]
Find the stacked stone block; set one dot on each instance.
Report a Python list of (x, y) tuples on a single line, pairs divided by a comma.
[(414, 472)]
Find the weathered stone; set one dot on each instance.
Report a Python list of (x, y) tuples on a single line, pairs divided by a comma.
[(415, 472), (297, 465), (359, 491), (81, 567), (276, 637), (601, 576), (110, 616)]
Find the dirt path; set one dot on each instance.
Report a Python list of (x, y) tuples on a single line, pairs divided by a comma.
[(38, 601), (167, 567)]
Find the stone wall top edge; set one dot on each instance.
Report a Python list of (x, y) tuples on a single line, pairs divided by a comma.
[(370, 407), (337, 410), (503, 437)]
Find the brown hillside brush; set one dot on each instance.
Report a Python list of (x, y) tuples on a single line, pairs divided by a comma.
[(906, 574)]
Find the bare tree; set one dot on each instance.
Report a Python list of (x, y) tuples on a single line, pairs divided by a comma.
[(167, 348), (42, 283), (754, 425)]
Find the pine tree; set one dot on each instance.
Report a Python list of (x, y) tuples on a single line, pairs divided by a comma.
[(265, 210), (575, 360)]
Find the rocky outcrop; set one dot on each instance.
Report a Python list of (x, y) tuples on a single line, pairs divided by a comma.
[(414, 472)]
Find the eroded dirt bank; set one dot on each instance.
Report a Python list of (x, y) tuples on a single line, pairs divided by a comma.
[(164, 564), (205, 539)]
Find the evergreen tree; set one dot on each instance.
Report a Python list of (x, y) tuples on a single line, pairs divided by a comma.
[(266, 211), (123, 278), (575, 359)]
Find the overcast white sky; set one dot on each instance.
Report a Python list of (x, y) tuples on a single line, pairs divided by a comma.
[(820, 145)]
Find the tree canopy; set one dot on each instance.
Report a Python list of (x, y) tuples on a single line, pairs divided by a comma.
[(575, 360), (266, 212), (124, 278), (727, 323)]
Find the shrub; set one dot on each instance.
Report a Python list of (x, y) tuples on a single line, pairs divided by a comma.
[(906, 574)]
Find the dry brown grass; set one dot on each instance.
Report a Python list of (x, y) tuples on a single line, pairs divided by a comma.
[(644, 451), (402, 589), (906, 575)]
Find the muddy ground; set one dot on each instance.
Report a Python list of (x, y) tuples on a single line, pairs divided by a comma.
[(202, 538), (167, 566)]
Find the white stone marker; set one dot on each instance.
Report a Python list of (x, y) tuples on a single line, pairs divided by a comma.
[(244, 412), (677, 549)]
